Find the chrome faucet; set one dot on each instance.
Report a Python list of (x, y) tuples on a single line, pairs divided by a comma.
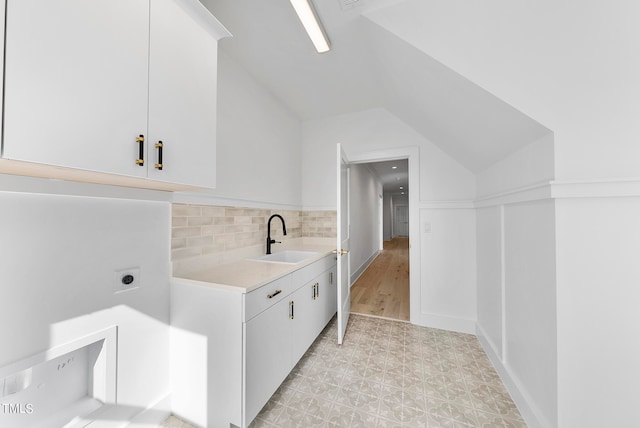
[(273, 241)]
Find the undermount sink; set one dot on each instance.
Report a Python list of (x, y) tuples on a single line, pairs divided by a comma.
[(286, 256)]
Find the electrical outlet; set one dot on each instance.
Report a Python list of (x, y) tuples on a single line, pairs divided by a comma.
[(65, 363), (127, 279)]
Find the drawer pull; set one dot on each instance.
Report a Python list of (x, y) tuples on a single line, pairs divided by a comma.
[(140, 142), (271, 296), (159, 146)]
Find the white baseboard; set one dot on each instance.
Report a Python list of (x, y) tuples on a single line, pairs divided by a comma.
[(443, 322), (531, 414), (357, 273)]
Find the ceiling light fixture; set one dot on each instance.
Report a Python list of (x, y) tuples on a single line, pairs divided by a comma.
[(394, 167), (311, 24)]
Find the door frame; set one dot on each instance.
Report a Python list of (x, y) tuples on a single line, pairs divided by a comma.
[(412, 154)]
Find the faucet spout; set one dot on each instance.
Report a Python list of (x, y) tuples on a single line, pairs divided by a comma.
[(273, 241)]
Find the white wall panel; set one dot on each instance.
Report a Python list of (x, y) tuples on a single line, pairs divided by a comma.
[(598, 311), (490, 275), (530, 304)]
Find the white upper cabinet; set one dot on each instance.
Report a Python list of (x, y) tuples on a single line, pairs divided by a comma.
[(182, 94), (85, 79), (76, 83)]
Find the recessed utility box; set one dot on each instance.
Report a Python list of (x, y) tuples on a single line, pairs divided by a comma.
[(61, 386)]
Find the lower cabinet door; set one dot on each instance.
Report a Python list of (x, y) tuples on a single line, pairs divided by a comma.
[(330, 294), (267, 355), (306, 317)]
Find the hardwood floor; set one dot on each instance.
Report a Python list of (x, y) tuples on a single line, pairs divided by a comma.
[(383, 289)]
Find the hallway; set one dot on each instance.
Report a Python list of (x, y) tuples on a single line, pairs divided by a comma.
[(383, 289)]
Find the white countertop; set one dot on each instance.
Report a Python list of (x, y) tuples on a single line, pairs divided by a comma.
[(245, 274)]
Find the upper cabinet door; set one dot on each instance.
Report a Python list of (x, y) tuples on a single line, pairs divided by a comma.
[(182, 93), (76, 83)]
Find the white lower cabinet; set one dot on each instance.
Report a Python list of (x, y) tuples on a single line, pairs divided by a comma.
[(263, 336), (268, 361)]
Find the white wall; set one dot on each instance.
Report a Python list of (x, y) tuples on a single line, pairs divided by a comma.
[(598, 316), (258, 144), (568, 68), (387, 216), (448, 292), (364, 192), (531, 165), (441, 177), (58, 256), (445, 297), (570, 71), (516, 275), (490, 277), (517, 302), (530, 303)]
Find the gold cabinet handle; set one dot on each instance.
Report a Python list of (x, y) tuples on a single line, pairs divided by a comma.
[(140, 142), (331, 278), (159, 146), (315, 289), (274, 294)]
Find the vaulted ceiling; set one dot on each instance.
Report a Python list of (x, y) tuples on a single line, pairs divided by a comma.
[(370, 66)]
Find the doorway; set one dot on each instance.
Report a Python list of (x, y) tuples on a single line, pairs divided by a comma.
[(383, 288)]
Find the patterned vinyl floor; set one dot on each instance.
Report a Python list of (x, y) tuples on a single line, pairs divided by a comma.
[(389, 374)]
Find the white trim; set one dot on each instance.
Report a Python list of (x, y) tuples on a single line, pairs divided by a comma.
[(531, 414), (486, 342), (445, 322), (503, 286), (208, 199), (447, 205), (532, 192), (556, 189), (318, 208), (358, 272), (201, 15), (412, 153), (615, 187), (50, 186)]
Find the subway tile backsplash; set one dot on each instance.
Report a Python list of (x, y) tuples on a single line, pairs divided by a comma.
[(200, 230)]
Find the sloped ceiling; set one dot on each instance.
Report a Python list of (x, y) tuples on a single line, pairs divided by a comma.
[(368, 67)]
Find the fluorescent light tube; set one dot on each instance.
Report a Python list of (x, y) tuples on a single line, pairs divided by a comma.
[(311, 24)]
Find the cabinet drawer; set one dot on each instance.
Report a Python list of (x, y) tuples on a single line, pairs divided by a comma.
[(269, 294), (311, 271)]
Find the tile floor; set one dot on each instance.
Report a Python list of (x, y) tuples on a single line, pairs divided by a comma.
[(389, 374)]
